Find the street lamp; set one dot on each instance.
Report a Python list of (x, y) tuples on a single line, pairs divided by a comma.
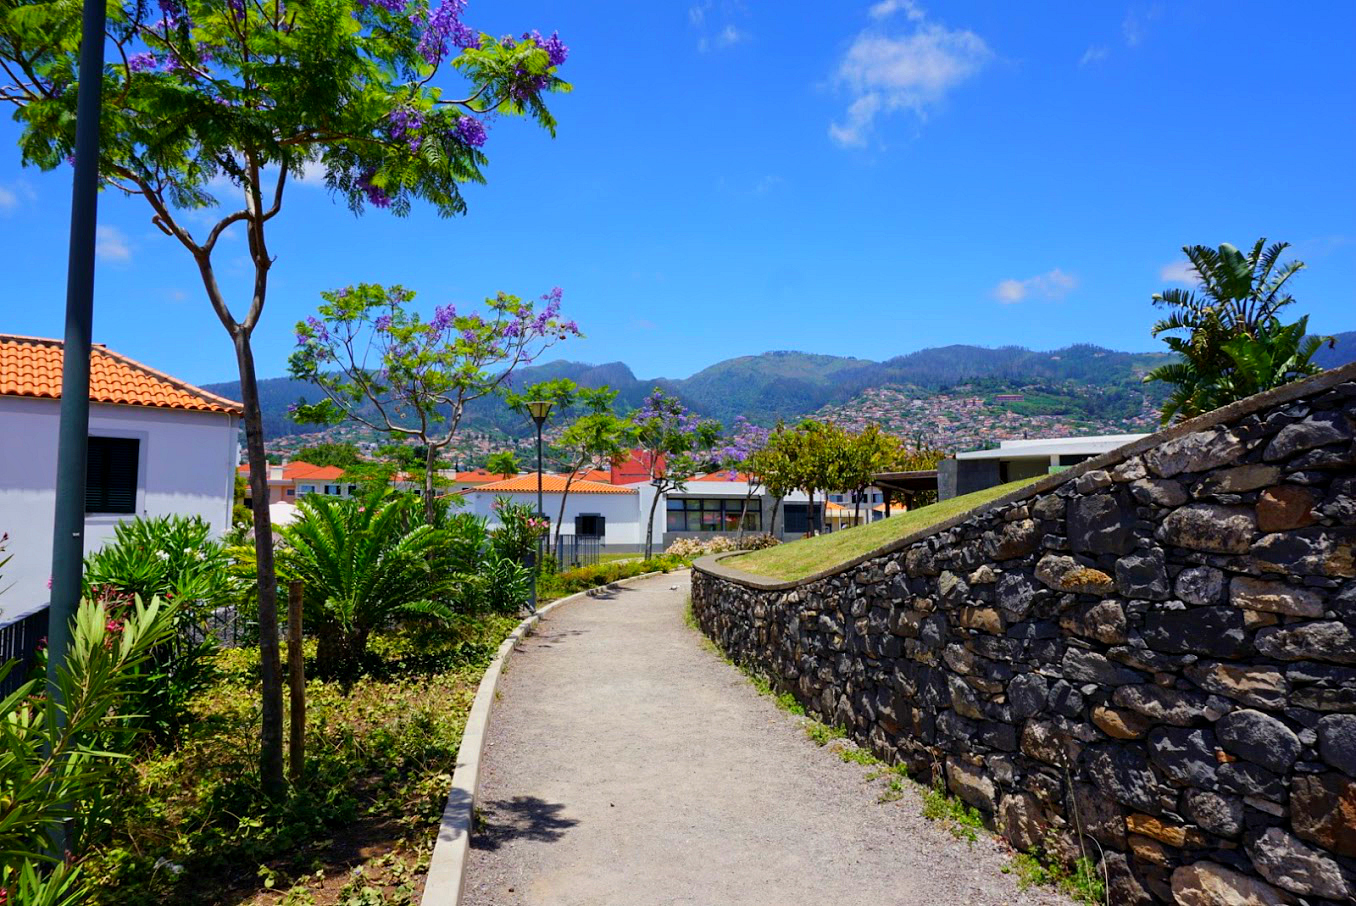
[(539, 410)]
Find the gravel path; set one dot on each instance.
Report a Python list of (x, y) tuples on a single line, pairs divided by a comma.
[(628, 764)]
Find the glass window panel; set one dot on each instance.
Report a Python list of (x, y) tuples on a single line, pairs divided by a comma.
[(675, 503), (677, 522)]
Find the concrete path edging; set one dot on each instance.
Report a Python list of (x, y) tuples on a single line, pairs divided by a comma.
[(447, 865)]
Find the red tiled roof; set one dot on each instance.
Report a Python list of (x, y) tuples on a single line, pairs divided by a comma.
[(31, 367), (299, 470), (524, 484), (603, 475)]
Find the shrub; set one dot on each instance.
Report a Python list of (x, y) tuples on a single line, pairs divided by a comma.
[(692, 548), (173, 558), (363, 564), (519, 532), (586, 577), (58, 757)]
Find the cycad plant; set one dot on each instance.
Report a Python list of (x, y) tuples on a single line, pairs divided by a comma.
[(364, 563), (1233, 344)]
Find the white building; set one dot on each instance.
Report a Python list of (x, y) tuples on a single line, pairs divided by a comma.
[(1013, 460), (157, 446), (610, 513)]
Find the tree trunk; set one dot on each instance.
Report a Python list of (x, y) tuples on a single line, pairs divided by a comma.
[(270, 665), (430, 459), (560, 520), (810, 515), (339, 652), (743, 512), (649, 525), (772, 529), (857, 508)]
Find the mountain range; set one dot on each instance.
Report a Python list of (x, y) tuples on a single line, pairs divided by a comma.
[(1094, 383)]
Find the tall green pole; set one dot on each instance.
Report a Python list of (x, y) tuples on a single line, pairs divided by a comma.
[(68, 532)]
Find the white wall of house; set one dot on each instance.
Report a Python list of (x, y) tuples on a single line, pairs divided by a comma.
[(186, 466), (623, 519)]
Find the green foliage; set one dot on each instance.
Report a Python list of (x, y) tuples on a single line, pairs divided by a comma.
[(963, 821), (329, 454), (1226, 334), (559, 585), (380, 754), (504, 464), (173, 558), (1084, 883), (519, 532), (822, 734), (59, 756), (363, 563)]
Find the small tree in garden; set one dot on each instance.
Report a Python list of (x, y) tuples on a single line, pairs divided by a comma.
[(674, 443), (504, 464), (203, 93), (813, 452), (381, 365), (740, 455), (862, 456), (774, 467)]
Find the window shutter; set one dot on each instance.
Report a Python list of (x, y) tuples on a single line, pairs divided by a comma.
[(111, 475), (600, 526)]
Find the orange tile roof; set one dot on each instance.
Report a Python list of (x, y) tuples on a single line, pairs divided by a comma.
[(31, 367), (298, 471), (603, 475), (723, 475), (524, 484), (481, 475)]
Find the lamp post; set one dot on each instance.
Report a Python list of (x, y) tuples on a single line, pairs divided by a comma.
[(539, 410)]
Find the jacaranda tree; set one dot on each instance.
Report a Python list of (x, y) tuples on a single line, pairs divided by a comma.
[(740, 456), (381, 365), (212, 106), (675, 444)]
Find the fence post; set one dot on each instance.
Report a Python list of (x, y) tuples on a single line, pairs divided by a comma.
[(297, 679)]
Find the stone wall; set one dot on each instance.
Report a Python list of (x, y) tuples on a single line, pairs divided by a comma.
[(1157, 647)]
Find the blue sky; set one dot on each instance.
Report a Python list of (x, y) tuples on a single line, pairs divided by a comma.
[(859, 179)]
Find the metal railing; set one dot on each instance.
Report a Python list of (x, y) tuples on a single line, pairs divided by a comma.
[(19, 640), (573, 551)]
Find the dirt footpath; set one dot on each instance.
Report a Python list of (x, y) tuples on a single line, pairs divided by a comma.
[(627, 764)]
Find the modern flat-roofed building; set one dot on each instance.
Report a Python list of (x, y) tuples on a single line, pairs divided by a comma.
[(1013, 460)]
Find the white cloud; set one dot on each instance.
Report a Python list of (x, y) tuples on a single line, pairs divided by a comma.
[(1136, 22), (14, 195), (1094, 54), (913, 72), (111, 244), (697, 14), (1055, 284), (728, 36), (886, 8), (1179, 272)]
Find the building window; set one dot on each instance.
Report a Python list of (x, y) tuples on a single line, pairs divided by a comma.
[(291, 492), (712, 514), (353, 490), (332, 490), (111, 475)]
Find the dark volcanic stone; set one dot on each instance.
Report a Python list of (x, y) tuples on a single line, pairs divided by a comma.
[(1143, 575), (1217, 631), (1260, 738), (1100, 524), (1027, 693), (1202, 585), (1124, 774), (1337, 741), (1185, 755), (1015, 592)]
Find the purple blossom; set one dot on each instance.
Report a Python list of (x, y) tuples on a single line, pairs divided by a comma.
[(465, 37), (376, 196), (470, 131), (237, 8), (393, 6), (440, 26), (142, 62), (556, 51), (383, 322), (443, 316)]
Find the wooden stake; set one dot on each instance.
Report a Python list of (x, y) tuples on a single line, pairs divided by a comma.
[(297, 679)]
